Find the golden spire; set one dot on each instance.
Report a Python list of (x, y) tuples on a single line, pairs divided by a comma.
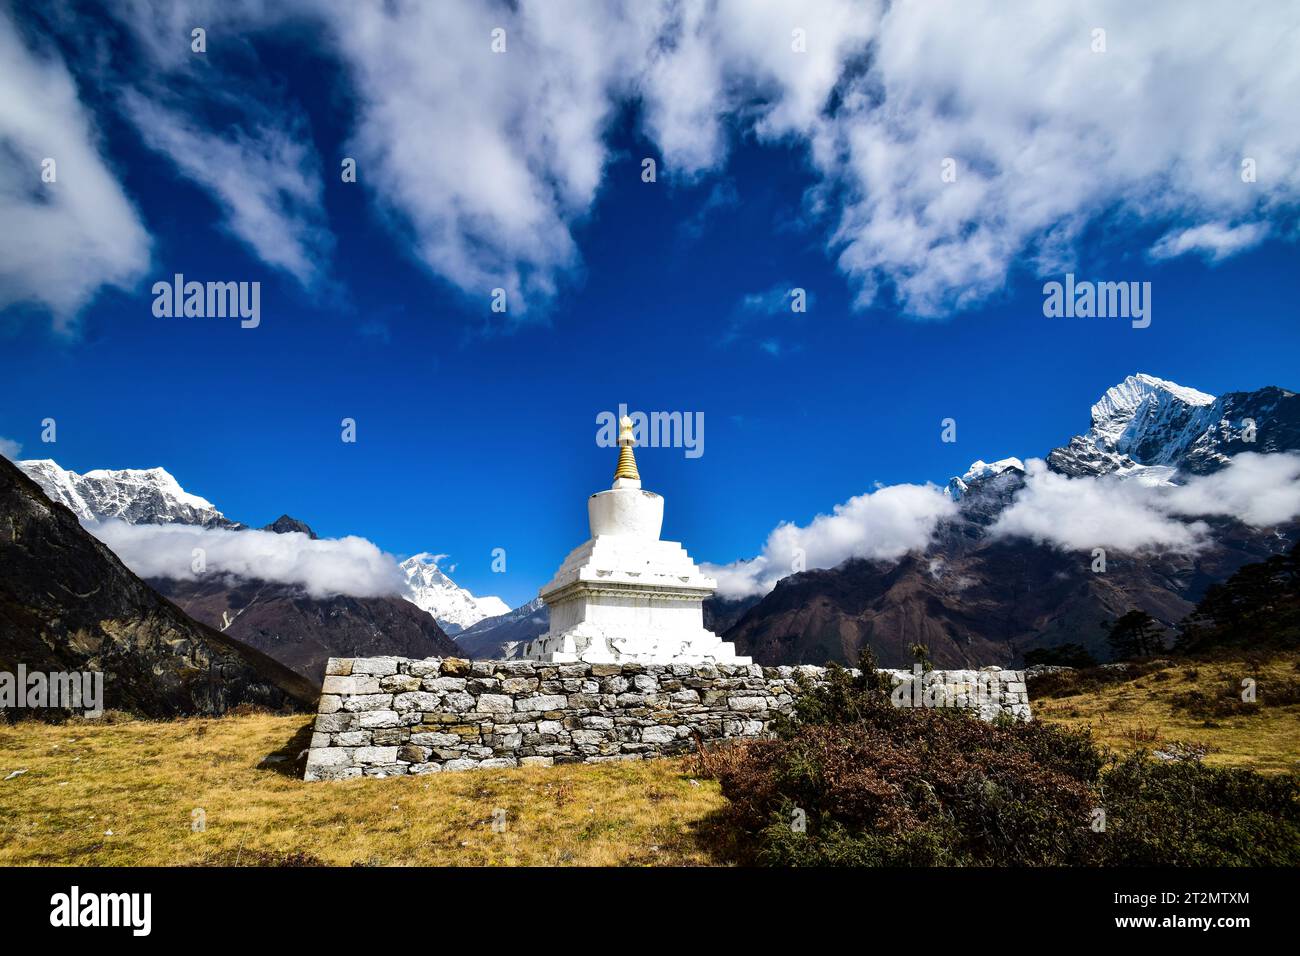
[(626, 460)]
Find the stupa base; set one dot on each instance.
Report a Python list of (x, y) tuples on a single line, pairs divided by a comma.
[(594, 645)]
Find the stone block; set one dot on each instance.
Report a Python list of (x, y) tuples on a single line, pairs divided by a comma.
[(495, 703), (376, 719), (658, 735), (336, 723), (375, 666), (430, 667), (417, 700), (338, 667), (541, 702), (347, 686), (399, 684), (434, 739), (455, 667), (325, 757), (375, 755), (368, 702), (444, 684)]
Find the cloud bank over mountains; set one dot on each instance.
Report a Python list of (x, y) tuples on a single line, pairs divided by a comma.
[(485, 163), (321, 567), (1079, 514), (881, 525), (1073, 514)]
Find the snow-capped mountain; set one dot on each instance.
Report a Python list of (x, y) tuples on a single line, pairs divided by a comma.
[(978, 471), (137, 496), (973, 596), (452, 606), (1148, 428)]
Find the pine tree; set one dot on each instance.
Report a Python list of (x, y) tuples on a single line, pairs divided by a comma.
[(1136, 634)]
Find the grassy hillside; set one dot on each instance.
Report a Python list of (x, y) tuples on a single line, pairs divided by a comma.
[(123, 793), (1183, 704)]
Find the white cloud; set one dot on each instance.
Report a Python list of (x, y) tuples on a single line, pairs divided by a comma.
[(1076, 514), (61, 241), (485, 160), (1261, 490), (485, 164), (322, 567), (883, 525), (266, 179), (1079, 514), (1214, 240), (489, 161), (1048, 135), (10, 449)]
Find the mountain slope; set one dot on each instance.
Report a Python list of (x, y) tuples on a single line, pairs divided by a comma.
[(452, 606), (137, 496), (1146, 422), (974, 600), (496, 638), (302, 632), (299, 631), (68, 604)]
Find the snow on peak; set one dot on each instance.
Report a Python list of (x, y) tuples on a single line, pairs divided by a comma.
[(134, 495), (1113, 414), (978, 471), (1147, 419), (453, 607), (982, 469)]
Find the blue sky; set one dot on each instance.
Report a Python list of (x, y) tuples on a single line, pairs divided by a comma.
[(477, 431)]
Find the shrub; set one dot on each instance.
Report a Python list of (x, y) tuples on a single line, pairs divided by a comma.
[(873, 784), (1183, 813)]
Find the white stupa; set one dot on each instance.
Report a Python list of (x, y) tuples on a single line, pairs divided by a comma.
[(625, 596)]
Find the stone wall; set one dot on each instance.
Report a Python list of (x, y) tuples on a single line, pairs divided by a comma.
[(386, 716)]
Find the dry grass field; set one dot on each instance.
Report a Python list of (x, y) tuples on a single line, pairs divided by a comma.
[(122, 792), (1145, 713)]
